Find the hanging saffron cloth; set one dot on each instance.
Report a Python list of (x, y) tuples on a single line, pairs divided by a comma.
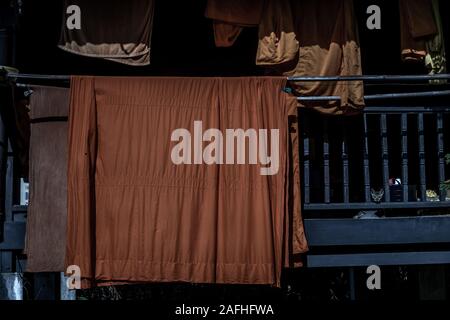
[(156, 194)]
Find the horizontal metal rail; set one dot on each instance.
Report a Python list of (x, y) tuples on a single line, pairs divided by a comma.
[(369, 78), (366, 78), (382, 231), (28, 76), (380, 259), (375, 206), (381, 96)]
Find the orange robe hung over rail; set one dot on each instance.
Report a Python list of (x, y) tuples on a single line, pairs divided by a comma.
[(136, 216)]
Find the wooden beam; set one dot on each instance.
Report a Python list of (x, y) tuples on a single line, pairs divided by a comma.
[(380, 259), (383, 231), (375, 206)]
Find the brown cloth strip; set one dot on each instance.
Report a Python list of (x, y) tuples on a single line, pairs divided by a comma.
[(47, 209), (136, 216), (417, 24), (277, 40)]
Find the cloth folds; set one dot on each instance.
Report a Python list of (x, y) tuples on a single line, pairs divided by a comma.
[(114, 30), (327, 43), (277, 40), (47, 209), (231, 16), (136, 216)]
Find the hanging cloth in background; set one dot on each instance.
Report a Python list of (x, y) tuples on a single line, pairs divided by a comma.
[(277, 40), (115, 30), (328, 45), (231, 16), (47, 209), (417, 25), (135, 216), (435, 59)]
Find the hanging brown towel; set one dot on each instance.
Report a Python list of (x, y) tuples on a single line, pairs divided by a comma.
[(135, 215), (47, 209), (277, 40), (417, 25), (115, 30), (231, 16), (328, 46)]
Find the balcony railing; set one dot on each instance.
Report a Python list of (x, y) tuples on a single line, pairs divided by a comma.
[(387, 157)]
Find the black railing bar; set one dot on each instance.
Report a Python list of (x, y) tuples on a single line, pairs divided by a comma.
[(319, 98), (29, 76), (345, 165), (407, 84), (441, 153), (422, 168), (404, 155), (381, 96), (372, 78), (366, 160), (305, 78), (326, 163), (399, 109), (312, 78), (385, 155), (407, 95), (373, 205), (306, 160)]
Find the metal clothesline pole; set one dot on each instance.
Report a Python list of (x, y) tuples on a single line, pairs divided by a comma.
[(382, 96), (374, 78), (28, 76), (365, 78)]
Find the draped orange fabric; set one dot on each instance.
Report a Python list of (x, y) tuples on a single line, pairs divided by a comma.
[(136, 216)]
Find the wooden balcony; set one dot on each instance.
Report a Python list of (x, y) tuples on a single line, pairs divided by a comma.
[(371, 186)]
